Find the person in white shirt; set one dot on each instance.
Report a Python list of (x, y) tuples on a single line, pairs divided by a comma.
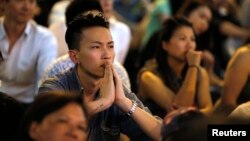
[(120, 31), (57, 25), (26, 49)]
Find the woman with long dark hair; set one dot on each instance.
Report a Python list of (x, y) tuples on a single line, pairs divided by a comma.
[(174, 78)]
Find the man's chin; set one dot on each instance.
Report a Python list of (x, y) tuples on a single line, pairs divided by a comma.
[(100, 75)]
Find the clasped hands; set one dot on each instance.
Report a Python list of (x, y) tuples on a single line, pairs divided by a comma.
[(111, 92), (193, 58)]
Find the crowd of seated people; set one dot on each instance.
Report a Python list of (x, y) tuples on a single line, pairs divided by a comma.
[(183, 71)]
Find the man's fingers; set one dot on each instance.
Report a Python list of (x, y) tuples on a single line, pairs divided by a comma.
[(114, 72), (108, 75)]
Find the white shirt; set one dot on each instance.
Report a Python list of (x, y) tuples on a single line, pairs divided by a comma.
[(122, 37), (59, 30), (58, 11), (57, 25), (22, 69)]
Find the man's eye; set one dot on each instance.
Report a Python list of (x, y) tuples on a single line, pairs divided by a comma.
[(61, 120), (95, 47), (182, 38)]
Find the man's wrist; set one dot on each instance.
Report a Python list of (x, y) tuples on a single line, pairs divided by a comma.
[(193, 66), (132, 108)]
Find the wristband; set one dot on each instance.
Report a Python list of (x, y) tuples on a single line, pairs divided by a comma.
[(132, 109)]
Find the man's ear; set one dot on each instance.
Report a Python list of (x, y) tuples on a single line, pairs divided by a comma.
[(34, 130), (74, 56)]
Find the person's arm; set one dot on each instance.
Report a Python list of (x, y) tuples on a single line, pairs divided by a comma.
[(185, 96), (233, 30), (106, 97), (152, 87), (203, 93), (148, 123), (123, 74), (236, 76)]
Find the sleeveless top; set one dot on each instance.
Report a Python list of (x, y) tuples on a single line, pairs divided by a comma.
[(173, 82)]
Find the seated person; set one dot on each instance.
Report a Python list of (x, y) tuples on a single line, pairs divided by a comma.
[(94, 79), (26, 50), (175, 78), (64, 63), (55, 117)]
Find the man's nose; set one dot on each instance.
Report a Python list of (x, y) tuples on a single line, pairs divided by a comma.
[(27, 5), (107, 53)]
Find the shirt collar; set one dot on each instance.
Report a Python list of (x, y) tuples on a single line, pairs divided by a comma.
[(77, 81), (76, 78), (112, 19), (27, 29)]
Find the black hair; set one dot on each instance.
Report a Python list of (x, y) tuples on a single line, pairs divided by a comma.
[(77, 7), (44, 105), (189, 6), (189, 125), (82, 22), (168, 28), (10, 110)]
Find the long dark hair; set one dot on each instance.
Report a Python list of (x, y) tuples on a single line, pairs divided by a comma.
[(167, 31)]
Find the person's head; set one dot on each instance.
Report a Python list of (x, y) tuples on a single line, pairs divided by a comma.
[(185, 124), (20, 11), (55, 116), (177, 38), (198, 13), (219, 3), (90, 43), (107, 5), (77, 7)]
